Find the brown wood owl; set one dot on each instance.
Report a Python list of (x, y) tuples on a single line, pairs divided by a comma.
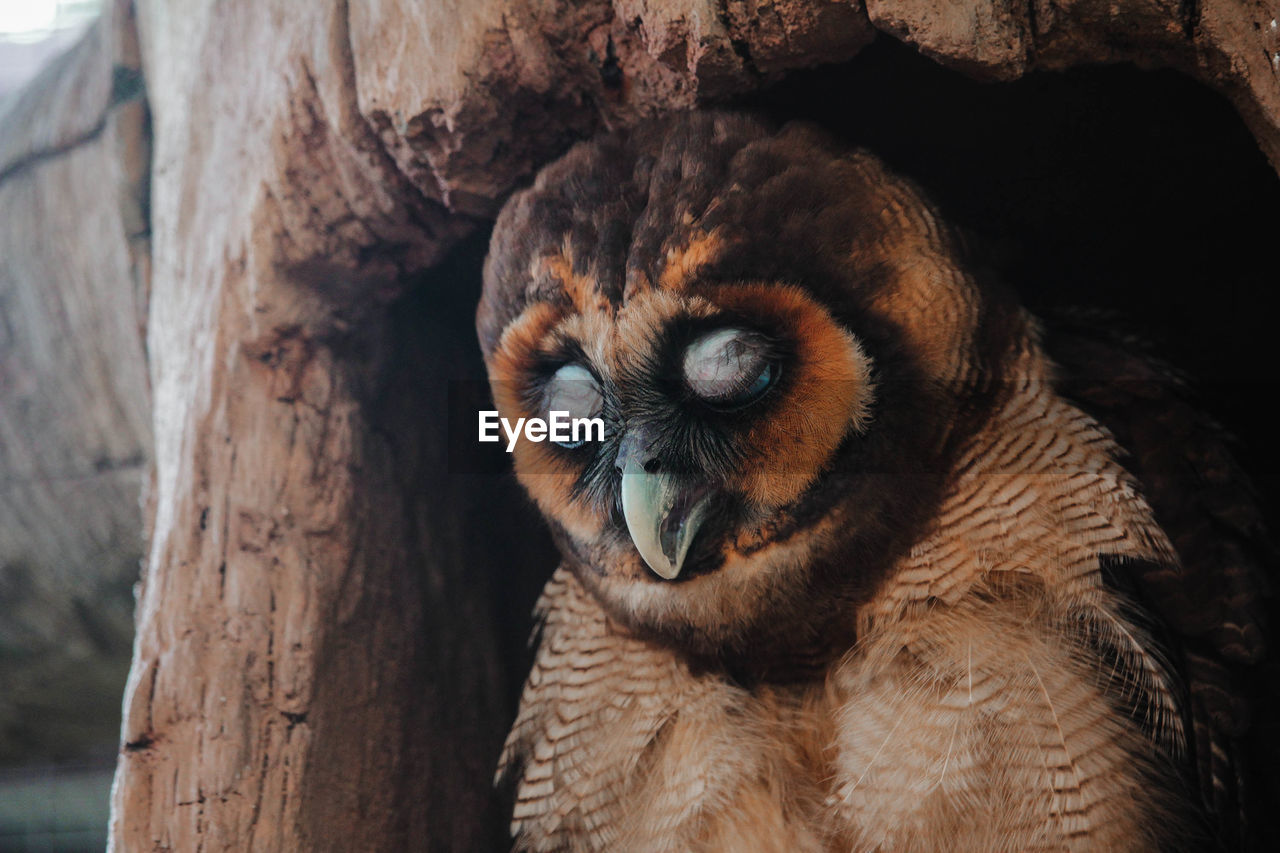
[(859, 562)]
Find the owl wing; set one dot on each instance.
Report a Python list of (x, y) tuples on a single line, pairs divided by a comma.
[(1215, 607), (593, 701), (618, 745)]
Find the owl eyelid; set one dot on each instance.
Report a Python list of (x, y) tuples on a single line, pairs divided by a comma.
[(575, 390), (730, 368), (747, 395), (553, 367)]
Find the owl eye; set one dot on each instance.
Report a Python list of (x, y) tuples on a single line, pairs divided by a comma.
[(730, 368), (573, 389)]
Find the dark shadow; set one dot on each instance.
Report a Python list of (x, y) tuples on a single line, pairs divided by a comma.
[(1139, 192), (479, 552)]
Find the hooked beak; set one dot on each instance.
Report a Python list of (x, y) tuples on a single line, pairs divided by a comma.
[(662, 516)]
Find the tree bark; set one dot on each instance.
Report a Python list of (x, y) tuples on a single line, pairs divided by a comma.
[(318, 664), (75, 432)]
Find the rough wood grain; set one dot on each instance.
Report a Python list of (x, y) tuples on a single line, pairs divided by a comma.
[(1230, 45), (75, 431)]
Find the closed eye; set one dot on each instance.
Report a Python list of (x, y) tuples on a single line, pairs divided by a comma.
[(730, 368), (574, 390)]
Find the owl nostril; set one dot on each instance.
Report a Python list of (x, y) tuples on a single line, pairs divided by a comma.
[(638, 448), (650, 466)]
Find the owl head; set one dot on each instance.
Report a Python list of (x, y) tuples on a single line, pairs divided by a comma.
[(784, 346)]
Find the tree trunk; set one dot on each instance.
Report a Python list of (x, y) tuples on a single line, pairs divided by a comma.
[(75, 432), (318, 662)]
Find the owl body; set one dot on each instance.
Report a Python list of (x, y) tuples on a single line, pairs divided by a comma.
[(843, 573)]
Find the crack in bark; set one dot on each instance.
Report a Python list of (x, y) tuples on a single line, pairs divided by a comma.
[(226, 529), (126, 86), (264, 771), (1033, 30), (419, 211), (143, 743), (126, 467), (740, 46), (1190, 13), (33, 158)]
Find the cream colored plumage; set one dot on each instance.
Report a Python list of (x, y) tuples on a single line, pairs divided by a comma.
[(918, 647)]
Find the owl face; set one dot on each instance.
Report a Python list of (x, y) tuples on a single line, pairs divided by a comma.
[(782, 348)]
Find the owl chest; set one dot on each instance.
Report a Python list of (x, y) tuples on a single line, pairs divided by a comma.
[(1002, 744), (1000, 740)]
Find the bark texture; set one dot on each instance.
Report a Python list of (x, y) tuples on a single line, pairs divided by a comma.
[(1231, 45), (75, 430), (317, 664)]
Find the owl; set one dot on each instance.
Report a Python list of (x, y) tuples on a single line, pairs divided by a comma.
[(867, 557)]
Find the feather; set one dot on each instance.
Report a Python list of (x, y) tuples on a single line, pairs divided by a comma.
[(940, 607)]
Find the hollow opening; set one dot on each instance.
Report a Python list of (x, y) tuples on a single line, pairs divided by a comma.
[(1137, 192), (1141, 193), (427, 404)]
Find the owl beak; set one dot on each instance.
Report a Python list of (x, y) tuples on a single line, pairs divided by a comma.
[(662, 515)]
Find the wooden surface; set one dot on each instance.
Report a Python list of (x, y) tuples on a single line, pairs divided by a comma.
[(1231, 45), (75, 431)]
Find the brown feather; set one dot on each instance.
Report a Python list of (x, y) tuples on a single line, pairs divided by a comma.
[(940, 618)]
